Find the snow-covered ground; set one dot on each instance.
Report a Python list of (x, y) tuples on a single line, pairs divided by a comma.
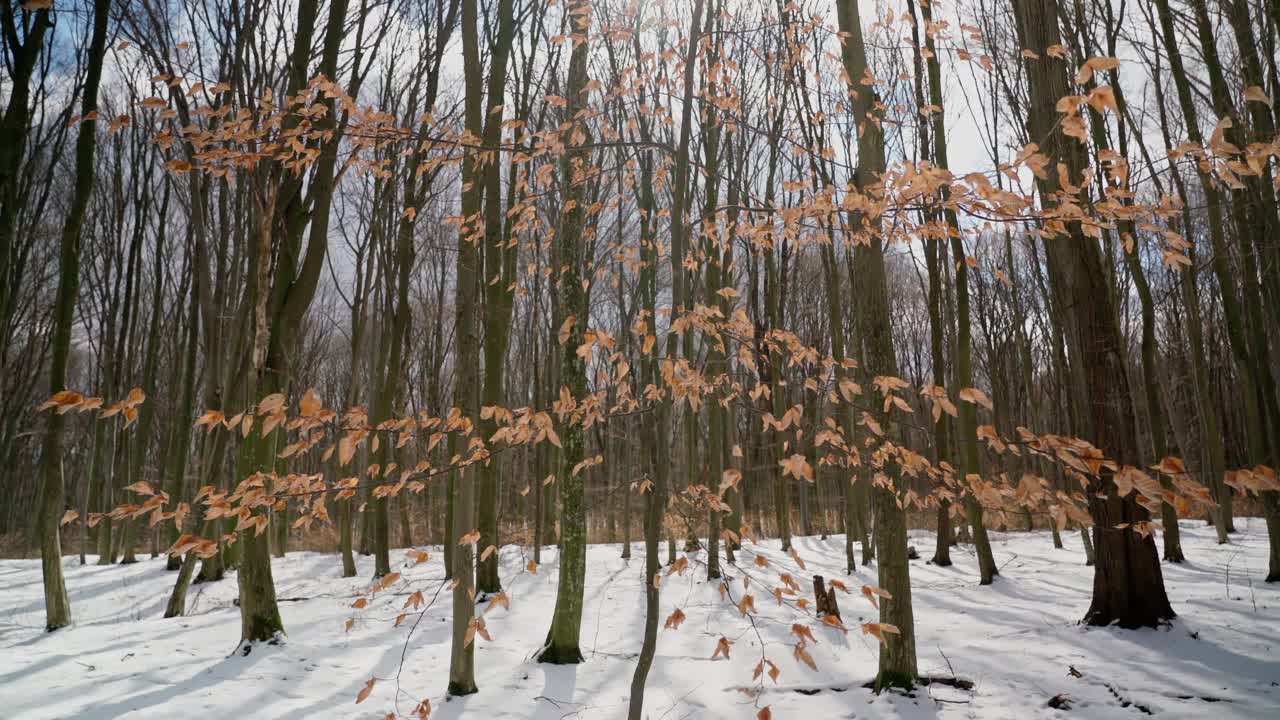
[(1017, 641)]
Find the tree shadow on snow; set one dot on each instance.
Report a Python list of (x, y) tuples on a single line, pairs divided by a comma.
[(227, 669)]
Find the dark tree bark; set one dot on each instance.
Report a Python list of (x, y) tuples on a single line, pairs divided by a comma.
[(57, 606), (500, 271), (561, 647), (897, 667), (1128, 585)]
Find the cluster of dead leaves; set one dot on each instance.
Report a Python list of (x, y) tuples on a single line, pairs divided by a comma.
[(65, 401)]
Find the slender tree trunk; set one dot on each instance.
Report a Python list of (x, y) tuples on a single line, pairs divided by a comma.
[(57, 606), (1216, 226), (967, 422), (561, 646), (1202, 392), (500, 270), (1257, 221), (182, 431), (622, 480), (654, 425), (21, 59), (177, 605), (941, 439), (654, 429)]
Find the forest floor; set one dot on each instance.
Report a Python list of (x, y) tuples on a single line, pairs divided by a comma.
[(1018, 642)]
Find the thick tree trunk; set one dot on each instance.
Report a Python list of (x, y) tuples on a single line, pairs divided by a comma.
[(1128, 585), (897, 667), (460, 520), (259, 614), (1155, 415)]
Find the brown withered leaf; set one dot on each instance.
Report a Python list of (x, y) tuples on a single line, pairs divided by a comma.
[(674, 620), (722, 648)]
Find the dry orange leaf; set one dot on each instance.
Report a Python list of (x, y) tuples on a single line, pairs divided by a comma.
[(674, 620), (722, 648)]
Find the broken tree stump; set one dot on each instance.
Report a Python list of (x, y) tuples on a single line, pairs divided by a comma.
[(825, 598)]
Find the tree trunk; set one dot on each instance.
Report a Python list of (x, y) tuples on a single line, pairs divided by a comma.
[(177, 605), (1257, 223), (259, 614), (561, 646), (500, 272), (897, 667), (461, 516), (182, 431), (1149, 349), (1128, 584), (57, 606)]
